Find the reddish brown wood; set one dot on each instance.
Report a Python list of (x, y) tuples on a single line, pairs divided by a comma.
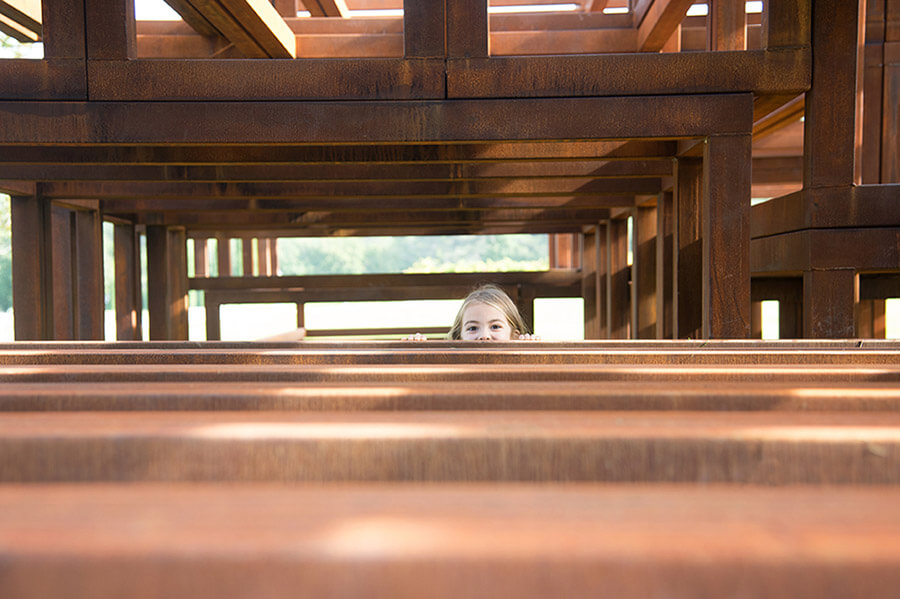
[(687, 248), (829, 299), (832, 113), (870, 319), (726, 25), (201, 258), (129, 302), (618, 305), (726, 237), (424, 29), (110, 28), (167, 283), (665, 223), (590, 283), (644, 271), (247, 257), (88, 275), (29, 273), (786, 23), (467, 28), (63, 31), (223, 256), (660, 23)]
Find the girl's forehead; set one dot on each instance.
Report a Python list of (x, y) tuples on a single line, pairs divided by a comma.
[(483, 310)]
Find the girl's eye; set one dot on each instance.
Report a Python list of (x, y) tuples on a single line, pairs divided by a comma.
[(497, 326)]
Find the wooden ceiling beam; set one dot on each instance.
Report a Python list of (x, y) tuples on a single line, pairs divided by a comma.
[(339, 172), (213, 123), (349, 189), (253, 26), (142, 205), (345, 155)]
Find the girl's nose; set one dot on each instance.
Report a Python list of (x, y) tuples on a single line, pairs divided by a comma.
[(485, 335)]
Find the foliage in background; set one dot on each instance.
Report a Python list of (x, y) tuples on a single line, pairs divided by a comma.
[(359, 255), (5, 255)]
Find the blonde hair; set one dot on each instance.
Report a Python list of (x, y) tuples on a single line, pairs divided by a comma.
[(495, 297)]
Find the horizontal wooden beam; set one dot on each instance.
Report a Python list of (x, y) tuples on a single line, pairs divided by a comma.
[(531, 154), (853, 249), (346, 172), (154, 123), (763, 72)]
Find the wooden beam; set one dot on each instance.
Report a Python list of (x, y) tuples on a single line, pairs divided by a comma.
[(110, 29), (263, 23), (660, 23), (326, 8), (25, 13), (467, 28), (424, 29), (226, 123), (726, 25), (687, 248), (129, 299)]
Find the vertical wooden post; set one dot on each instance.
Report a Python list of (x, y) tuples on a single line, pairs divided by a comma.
[(223, 256), (644, 269), (786, 23), (30, 250), (467, 29), (263, 263), (247, 256), (201, 257), (88, 275), (618, 297), (665, 221), (687, 249), (874, 76), (832, 112), (870, 316), (726, 237), (790, 319), (167, 283), (603, 279), (128, 283), (62, 270), (756, 320), (832, 142), (111, 31), (213, 326), (831, 297), (726, 25), (63, 29), (424, 29), (590, 284), (890, 140)]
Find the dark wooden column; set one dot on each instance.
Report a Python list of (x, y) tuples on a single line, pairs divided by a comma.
[(618, 304), (644, 271), (223, 256), (31, 279), (726, 237), (167, 283), (88, 274), (424, 29), (201, 257), (726, 25), (247, 257), (871, 318), (831, 145), (590, 283), (111, 31), (665, 222), (467, 29), (129, 300), (687, 249), (63, 29)]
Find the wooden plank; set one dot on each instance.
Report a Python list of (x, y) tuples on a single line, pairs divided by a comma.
[(593, 446), (247, 257), (88, 262), (258, 80), (726, 237), (377, 122), (190, 15), (782, 71), (26, 13), (64, 30), (569, 169), (550, 537), (167, 266), (590, 283), (50, 79), (383, 395)]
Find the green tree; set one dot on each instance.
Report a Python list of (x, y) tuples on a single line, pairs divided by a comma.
[(5, 255)]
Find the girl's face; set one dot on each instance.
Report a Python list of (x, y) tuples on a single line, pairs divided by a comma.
[(483, 322)]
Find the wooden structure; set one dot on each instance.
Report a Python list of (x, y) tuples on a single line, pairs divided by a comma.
[(245, 121), (661, 468)]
